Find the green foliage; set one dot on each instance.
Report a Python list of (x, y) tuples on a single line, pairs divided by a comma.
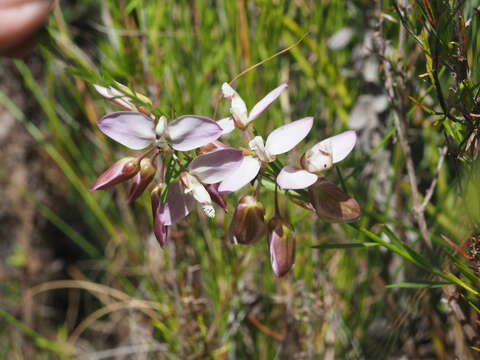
[(204, 297)]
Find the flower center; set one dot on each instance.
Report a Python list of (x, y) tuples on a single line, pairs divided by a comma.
[(257, 145), (160, 133), (317, 160)]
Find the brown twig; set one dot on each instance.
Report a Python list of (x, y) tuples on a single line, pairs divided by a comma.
[(250, 68), (431, 189)]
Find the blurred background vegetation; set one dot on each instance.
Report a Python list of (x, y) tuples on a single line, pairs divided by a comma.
[(82, 275)]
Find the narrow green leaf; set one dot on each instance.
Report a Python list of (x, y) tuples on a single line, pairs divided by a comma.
[(419, 285), (352, 245)]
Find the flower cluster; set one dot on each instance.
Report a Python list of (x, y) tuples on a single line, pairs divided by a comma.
[(184, 163)]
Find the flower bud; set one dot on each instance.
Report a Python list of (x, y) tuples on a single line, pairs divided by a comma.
[(122, 170), (159, 228), (332, 204), (216, 196), (248, 223), (141, 180), (281, 243)]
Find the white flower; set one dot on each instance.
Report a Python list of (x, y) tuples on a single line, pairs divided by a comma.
[(318, 159)]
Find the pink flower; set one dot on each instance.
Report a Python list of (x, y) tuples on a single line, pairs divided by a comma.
[(318, 159), (137, 131), (240, 116), (209, 168), (280, 141)]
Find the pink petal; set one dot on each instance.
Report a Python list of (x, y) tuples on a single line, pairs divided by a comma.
[(293, 178), (286, 137), (340, 145), (227, 125), (216, 165), (178, 204), (190, 132), (132, 129), (264, 104), (245, 173)]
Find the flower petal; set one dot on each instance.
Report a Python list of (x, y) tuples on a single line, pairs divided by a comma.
[(245, 173), (264, 104), (340, 145), (190, 132), (286, 137), (238, 108), (178, 204), (132, 129), (294, 178), (228, 91), (216, 165), (227, 125)]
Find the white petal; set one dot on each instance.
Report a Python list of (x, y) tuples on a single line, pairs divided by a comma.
[(238, 108), (239, 111), (245, 173), (227, 125), (265, 103), (286, 137), (341, 145), (293, 178), (194, 187), (228, 91)]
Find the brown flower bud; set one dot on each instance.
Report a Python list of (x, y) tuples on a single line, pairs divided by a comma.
[(248, 223), (122, 170), (332, 204), (141, 180), (281, 243)]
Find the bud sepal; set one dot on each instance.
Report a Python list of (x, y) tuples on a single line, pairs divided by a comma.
[(122, 170), (248, 222)]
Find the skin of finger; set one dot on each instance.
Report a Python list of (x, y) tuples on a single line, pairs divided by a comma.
[(20, 19)]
